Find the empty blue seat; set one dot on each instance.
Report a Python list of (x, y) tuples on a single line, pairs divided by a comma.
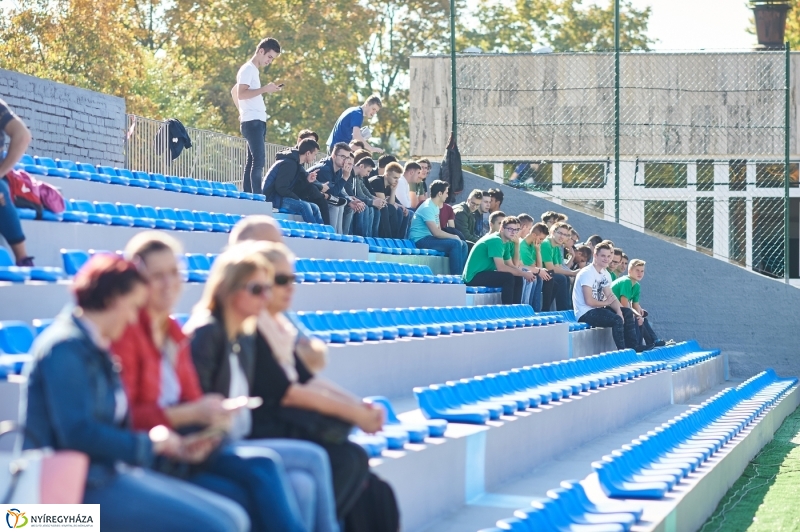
[(171, 183), (218, 189), (51, 167), (203, 187), (94, 174), (74, 259), (231, 190), (116, 179), (149, 214), (16, 337), (133, 180), (204, 219), (180, 222), (40, 325), (28, 163), (72, 168), (130, 210), (111, 210), (10, 272), (199, 267), (93, 216), (189, 186), (417, 432)]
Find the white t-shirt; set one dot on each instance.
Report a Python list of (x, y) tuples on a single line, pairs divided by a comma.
[(252, 108), (402, 193), (589, 276), (242, 422)]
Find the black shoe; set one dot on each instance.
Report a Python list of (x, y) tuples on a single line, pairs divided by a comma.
[(26, 262), (659, 343)]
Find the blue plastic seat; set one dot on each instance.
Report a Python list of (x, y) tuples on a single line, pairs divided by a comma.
[(149, 213), (232, 191), (133, 180), (116, 179), (16, 337), (417, 433), (73, 170), (203, 187), (104, 207), (181, 224), (74, 259), (188, 216), (130, 210), (39, 325), (204, 219), (435, 407), (187, 187), (51, 167), (199, 267), (10, 271), (218, 189), (94, 174), (93, 216), (28, 163)]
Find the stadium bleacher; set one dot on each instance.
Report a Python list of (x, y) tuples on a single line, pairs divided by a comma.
[(475, 395)]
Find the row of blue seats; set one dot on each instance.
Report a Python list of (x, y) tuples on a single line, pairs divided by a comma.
[(486, 397), (390, 324), (650, 466), (681, 355), (11, 273), (568, 316), (16, 338), (396, 246), (311, 230), (122, 176), (569, 508), (328, 271)]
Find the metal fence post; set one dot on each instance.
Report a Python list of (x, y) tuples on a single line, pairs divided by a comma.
[(453, 68), (786, 169), (616, 111)]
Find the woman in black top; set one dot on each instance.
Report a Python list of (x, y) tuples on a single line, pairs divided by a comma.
[(299, 404)]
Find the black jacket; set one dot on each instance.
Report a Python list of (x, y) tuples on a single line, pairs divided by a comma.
[(210, 350), (450, 171), (283, 176), (178, 138)]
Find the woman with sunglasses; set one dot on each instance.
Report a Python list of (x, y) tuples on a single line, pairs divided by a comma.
[(163, 389), (297, 402), (76, 401), (222, 347)]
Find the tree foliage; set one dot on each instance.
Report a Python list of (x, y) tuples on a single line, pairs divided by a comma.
[(179, 58)]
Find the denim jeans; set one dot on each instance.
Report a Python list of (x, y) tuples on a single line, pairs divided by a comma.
[(10, 227), (309, 211), (645, 333), (305, 460), (532, 293), (623, 330), (347, 220), (364, 222), (254, 477), (455, 249), (557, 288), (138, 499), (254, 132), (510, 284)]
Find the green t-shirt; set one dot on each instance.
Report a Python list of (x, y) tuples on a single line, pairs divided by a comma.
[(612, 274), (624, 286), (551, 253), (527, 253), (485, 250)]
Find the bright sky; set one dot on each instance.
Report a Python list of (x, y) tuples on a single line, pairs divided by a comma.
[(699, 24)]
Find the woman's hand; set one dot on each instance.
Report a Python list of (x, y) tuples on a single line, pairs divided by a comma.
[(371, 419)]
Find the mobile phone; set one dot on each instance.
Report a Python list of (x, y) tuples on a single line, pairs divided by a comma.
[(235, 403)]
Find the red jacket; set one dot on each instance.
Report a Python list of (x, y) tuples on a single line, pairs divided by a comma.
[(141, 371)]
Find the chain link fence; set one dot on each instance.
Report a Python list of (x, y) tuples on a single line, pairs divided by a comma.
[(702, 142)]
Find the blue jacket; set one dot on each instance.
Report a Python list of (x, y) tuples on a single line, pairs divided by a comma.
[(326, 174), (283, 176), (71, 401)]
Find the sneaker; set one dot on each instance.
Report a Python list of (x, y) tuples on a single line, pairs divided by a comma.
[(659, 343), (27, 262)]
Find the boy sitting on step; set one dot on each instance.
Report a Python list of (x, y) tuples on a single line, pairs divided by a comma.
[(627, 290)]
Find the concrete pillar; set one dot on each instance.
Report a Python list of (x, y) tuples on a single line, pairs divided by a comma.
[(498, 172), (721, 211), (691, 206)]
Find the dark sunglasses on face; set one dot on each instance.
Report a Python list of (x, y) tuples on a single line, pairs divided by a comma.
[(257, 289), (283, 279)]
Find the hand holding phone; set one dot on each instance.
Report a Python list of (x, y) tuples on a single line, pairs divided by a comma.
[(235, 403)]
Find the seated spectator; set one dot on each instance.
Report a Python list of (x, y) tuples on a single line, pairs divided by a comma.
[(75, 401), (421, 191), (10, 226), (367, 222), (627, 289), (482, 216), (623, 266), (616, 260), (282, 179), (348, 126), (163, 389), (297, 401), (342, 215), (383, 162), (409, 179), (490, 263), (524, 173), (307, 134), (496, 199), (495, 220), (593, 240), (575, 237), (357, 145), (596, 304), (394, 222), (557, 288), (465, 220), (583, 257), (426, 231), (530, 258), (549, 218), (329, 172)]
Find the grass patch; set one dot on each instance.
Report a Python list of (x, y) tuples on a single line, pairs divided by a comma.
[(766, 498)]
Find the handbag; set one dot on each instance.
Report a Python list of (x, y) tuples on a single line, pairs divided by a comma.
[(313, 426), (40, 476)]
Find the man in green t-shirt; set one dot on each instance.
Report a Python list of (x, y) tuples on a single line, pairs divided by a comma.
[(490, 263), (627, 290), (616, 260), (556, 288), (529, 256)]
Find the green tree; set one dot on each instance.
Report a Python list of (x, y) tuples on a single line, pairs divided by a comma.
[(565, 25)]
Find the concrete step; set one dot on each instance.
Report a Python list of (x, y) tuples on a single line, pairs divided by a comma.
[(44, 241)]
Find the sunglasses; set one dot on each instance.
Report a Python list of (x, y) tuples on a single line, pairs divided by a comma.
[(257, 289), (283, 279)]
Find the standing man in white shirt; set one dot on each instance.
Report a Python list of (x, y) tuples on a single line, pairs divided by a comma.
[(248, 98), (595, 303)]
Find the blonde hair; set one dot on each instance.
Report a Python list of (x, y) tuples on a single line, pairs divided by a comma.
[(636, 262), (230, 271), (275, 252), (147, 242)]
